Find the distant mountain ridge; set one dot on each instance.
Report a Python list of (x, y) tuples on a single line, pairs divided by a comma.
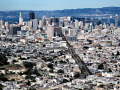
[(84, 12)]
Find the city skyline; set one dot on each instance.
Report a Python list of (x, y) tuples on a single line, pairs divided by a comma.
[(60, 45), (8, 5)]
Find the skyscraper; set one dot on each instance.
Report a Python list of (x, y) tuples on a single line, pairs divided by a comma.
[(50, 31), (49, 21), (20, 19), (57, 31), (116, 20), (81, 24), (43, 21), (14, 30), (54, 21), (71, 32), (40, 24), (1, 22), (108, 20), (53, 31), (32, 15), (35, 24), (6, 25), (86, 26), (91, 27), (76, 24)]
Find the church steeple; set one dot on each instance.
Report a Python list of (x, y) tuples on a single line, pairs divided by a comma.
[(20, 19), (20, 15)]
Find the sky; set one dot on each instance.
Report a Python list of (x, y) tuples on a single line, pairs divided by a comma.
[(7, 5)]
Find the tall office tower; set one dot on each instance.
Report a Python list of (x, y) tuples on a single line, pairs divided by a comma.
[(71, 24), (104, 26), (66, 23), (91, 27), (71, 32), (111, 25), (108, 20), (50, 31), (62, 18), (31, 15), (49, 21), (30, 24), (81, 24), (20, 19), (57, 31), (43, 21), (1, 22), (85, 20), (116, 20), (69, 18), (35, 24), (86, 26), (61, 24), (14, 30), (6, 25), (76, 24), (40, 24), (53, 31), (54, 21), (65, 31)]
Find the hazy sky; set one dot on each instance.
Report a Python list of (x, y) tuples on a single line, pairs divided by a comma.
[(55, 4)]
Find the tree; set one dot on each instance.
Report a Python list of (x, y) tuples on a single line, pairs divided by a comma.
[(101, 66), (60, 71), (63, 62), (29, 72), (109, 70), (51, 70), (50, 59), (2, 78), (65, 80), (44, 58), (3, 59), (77, 75), (44, 45), (29, 77), (29, 65), (113, 54), (35, 71), (32, 89), (14, 61), (85, 47), (117, 53), (28, 83), (50, 65), (1, 86)]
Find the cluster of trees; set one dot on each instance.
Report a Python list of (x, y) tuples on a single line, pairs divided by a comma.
[(65, 81), (116, 55), (3, 59), (101, 66), (3, 78), (60, 71), (77, 75), (63, 62), (47, 59), (31, 71), (29, 65), (1, 86), (50, 65)]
